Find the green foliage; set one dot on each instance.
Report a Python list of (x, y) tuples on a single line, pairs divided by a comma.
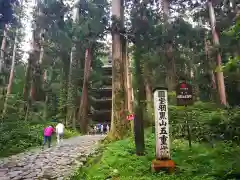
[(172, 98), (232, 76), (208, 122), (118, 161)]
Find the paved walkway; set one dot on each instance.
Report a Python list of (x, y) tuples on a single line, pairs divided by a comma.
[(51, 163)]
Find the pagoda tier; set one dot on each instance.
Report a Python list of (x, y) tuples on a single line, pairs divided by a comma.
[(107, 70), (101, 100), (107, 80), (102, 93), (101, 104), (101, 115)]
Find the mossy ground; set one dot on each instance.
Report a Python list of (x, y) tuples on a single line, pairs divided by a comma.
[(202, 162)]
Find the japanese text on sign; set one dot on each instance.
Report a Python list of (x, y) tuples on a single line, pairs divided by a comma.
[(161, 124), (184, 94)]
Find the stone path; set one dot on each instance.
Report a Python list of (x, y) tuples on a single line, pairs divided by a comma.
[(51, 163)]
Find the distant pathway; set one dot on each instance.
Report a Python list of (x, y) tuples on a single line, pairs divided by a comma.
[(53, 163)]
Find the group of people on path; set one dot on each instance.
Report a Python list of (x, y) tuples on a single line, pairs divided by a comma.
[(48, 132), (101, 128), (59, 130)]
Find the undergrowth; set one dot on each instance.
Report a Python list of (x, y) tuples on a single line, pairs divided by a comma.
[(202, 162)]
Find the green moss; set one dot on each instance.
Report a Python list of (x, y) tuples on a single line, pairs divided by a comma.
[(118, 161)]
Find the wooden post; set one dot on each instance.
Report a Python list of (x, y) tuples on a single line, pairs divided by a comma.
[(163, 159)]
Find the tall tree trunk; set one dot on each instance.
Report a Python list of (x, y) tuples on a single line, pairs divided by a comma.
[(2, 68), (42, 70), (3, 49), (35, 78), (37, 39), (170, 67), (124, 50), (72, 89), (129, 89), (213, 85), (64, 87), (11, 77), (34, 69), (49, 100), (148, 91), (83, 109), (27, 85), (38, 51), (72, 81), (139, 108), (119, 124), (219, 73), (28, 75), (125, 64)]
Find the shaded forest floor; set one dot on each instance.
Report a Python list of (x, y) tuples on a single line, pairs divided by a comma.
[(118, 161)]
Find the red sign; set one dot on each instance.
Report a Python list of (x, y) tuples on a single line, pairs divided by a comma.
[(183, 86), (184, 94), (130, 117)]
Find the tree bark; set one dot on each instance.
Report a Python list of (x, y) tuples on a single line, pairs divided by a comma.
[(213, 85), (125, 77), (148, 91), (2, 68), (139, 108), (38, 51), (72, 89), (124, 47), (27, 78), (27, 86), (219, 73), (11, 77), (83, 109), (129, 89), (170, 67), (3, 49), (64, 87), (119, 124), (72, 81)]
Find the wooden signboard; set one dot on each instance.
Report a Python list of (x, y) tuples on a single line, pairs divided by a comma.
[(184, 94), (161, 124), (163, 159)]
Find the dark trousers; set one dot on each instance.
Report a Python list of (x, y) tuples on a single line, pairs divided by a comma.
[(47, 138)]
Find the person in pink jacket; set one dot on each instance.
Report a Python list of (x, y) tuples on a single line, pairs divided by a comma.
[(48, 131)]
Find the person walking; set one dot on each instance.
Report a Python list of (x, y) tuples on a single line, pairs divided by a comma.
[(48, 131), (107, 128), (101, 128), (59, 132), (95, 129)]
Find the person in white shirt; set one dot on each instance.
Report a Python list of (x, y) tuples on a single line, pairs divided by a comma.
[(102, 128), (95, 129), (59, 132), (107, 128)]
